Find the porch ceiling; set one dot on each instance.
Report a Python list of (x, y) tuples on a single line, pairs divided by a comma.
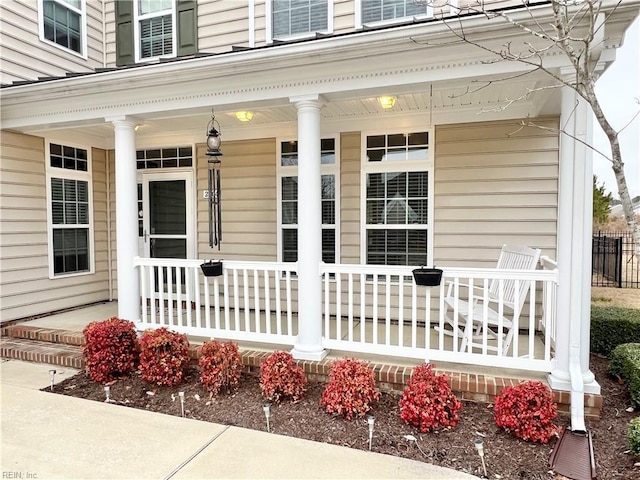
[(436, 77)]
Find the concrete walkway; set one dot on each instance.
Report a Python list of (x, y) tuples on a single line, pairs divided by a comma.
[(47, 436)]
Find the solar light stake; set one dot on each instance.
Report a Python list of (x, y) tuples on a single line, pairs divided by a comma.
[(53, 375), (480, 447), (370, 420), (266, 407), (107, 393), (181, 395)]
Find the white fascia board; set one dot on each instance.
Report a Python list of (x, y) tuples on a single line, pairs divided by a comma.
[(269, 74)]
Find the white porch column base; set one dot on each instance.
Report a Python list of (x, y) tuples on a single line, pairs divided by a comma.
[(309, 342), (565, 385), (126, 218), (299, 353)]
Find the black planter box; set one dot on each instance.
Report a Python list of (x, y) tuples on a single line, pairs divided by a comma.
[(211, 268), (427, 277)]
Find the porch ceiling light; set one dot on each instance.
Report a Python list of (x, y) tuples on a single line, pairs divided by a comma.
[(387, 102), (244, 116), (213, 137)]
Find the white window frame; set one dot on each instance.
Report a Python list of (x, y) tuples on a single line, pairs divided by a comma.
[(422, 165), (65, 173), (292, 171), (269, 24), (359, 24), (136, 31), (83, 27)]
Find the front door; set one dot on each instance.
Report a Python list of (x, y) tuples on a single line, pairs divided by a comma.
[(167, 209)]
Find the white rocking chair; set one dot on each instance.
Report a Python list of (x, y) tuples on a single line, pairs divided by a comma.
[(471, 314)]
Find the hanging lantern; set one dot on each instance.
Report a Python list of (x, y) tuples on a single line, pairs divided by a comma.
[(213, 194), (213, 137)]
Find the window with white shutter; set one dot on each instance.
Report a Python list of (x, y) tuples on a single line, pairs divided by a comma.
[(397, 182), (69, 210)]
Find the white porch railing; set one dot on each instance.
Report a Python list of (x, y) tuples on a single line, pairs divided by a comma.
[(380, 310), (250, 301), (366, 309)]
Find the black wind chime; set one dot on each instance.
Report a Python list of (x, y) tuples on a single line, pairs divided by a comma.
[(213, 268), (215, 212)]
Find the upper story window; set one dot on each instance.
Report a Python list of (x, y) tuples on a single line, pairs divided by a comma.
[(69, 210), (63, 23), (155, 27), (299, 18), (375, 11), (151, 29), (398, 178)]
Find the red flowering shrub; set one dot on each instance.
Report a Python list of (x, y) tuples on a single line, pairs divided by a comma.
[(527, 410), (110, 349), (351, 388), (427, 401), (220, 366), (164, 356), (280, 377)]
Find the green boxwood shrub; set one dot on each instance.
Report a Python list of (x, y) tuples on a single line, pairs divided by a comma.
[(613, 326), (633, 435), (625, 363)]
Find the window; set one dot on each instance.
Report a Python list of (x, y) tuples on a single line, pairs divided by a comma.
[(150, 29), (292, 18), (63, 23), (155, 24), (69, 209), (164, 158), (397, 178), (373, 11), (289, 200)]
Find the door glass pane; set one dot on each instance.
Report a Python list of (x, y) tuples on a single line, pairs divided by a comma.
[(169, 248), (167, 208)]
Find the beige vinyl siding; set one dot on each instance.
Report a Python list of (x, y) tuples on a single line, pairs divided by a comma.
[(26, 57), (249, 207), (495, 183), (344, 17), (25, 286), (111, 221), (350, 197), (222, 25)]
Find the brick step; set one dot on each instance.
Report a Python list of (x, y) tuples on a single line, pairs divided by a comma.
[(50, 335), (41, 352)]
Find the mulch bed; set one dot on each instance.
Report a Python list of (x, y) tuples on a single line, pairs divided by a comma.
[(506, 457)]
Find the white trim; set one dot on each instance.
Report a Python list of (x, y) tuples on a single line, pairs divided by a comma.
[(168, 175), (395, 166), (291, 171), (64, 173), (252, 23), (136, 31), (83, 27)]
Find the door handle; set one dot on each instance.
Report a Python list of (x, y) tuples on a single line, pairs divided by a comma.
[(145, 235)]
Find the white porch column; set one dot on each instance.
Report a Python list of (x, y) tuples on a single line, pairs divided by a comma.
[(126, 218), (309, 344), (575, 199)]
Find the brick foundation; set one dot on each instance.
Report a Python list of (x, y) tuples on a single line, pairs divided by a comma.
[(62, 347)]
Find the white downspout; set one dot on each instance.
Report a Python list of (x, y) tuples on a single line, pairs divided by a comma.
[(577, 391)]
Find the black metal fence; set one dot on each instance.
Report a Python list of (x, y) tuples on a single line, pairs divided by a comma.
[(613, 261)]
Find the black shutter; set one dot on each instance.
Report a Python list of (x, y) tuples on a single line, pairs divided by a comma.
[(124, 32), (187, 26)]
